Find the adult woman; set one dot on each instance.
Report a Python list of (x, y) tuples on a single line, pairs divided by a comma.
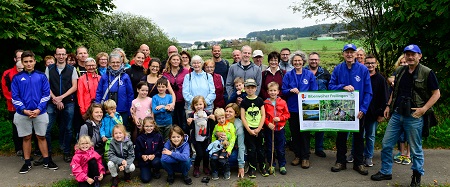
[(219, 85), (295, 81), (71, 59), (102, 62), (153, 75), (231, 111), (116, 85), (198, 82), (136, 71), (175, 74), (272, 74), (87, 86), (125, 61), (186, 60), (92, 125)]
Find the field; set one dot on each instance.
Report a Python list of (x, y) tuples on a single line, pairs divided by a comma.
[(329, 50)]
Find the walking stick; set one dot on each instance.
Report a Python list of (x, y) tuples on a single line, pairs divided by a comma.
[(271, 168)]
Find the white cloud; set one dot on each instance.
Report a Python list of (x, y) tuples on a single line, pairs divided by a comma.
[(204, 20)]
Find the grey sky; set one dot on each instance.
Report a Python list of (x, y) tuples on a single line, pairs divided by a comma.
[(205, 20)]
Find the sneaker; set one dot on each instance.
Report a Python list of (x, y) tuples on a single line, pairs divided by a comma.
[(406, 160), (187, 180), (264, 172), (215, 176), (19, 153), (415, 179), (25, 168), (368, 162), (271, 170), (196, 172), (296, 161), (51, 165), (227, 175), (379, 177), (251, 173), (350, 158), (320, 154), (206, 171), (170, 179), (338, 167), (39, 162), (361, 169), (398, 158), (67, 158), (283, 170)]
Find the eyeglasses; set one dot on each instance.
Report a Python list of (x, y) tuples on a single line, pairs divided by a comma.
[(369, 63)]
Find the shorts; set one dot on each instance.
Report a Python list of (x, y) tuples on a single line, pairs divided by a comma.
[(25, 124)]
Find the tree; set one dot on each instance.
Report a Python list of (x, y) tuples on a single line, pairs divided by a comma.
[(128, 32), (42, 25)]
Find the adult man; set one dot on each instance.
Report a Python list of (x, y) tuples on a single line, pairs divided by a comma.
[(222, 65), (146, 50), (374, 114), (7, 78), (258, 58), (236, 56), (351, 76), (416, 90), (170, 50), (284, 61), (82, 55), (322, 78), (63, 84), (360, 55), (244, 69), (30, 94)]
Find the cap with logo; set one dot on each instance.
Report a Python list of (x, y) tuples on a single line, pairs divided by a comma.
[(349, 47), (250, 82), (413, 48)]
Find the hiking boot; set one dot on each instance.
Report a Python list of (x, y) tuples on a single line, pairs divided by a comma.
[(115, 181), (406, 160), (271, 170), (187, 180), (361, 169), (350, 158), (67, 158), (170, 179), (251, 173), (206, 171), (368, 162), (227, 175), (379, 177), (127, 177), (305, 164), (415, 179), (320, 154), (51, 165), (25, 168), (196, 172), (39, 162), (338, 167), (296, 161), (283, 170), (215, 176)]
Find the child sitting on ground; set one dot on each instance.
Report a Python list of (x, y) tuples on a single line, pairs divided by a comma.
[(87, 164), (120, 154)]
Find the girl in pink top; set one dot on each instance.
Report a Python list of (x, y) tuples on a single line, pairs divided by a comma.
[(141, 107)]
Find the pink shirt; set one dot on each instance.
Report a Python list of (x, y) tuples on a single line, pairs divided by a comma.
[(143, 107)]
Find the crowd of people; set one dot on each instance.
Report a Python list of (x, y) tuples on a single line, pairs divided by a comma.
[(167, 114)]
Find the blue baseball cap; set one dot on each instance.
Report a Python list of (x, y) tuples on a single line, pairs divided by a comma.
[(413, 48), (349, 46)]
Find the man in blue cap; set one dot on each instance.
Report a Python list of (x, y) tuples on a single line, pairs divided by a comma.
[(351, 75), (416, 91)]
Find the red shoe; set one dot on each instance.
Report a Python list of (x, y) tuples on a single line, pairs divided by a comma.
[(206, 171), (196, 172)]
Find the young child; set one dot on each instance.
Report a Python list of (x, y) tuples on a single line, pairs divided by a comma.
[(87, 164), (161, 109), (240, 93), (200, 118), (228, 128), (218, 149), (91, 127), (120, 154), (175, 155), (111, 119), (252, 116), (276, 116), (141, 107), (149, 145)]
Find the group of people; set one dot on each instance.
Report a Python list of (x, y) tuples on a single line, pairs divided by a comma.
[(159, 115)]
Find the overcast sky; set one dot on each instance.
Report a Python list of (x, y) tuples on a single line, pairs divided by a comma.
[(205, 20)]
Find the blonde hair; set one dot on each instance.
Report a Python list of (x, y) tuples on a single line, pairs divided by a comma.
[(219, 112), (169, 62), (197, 99), (209, 62), (85, 138), (238, 80), (399, 61), (122, 128), (110, 104), (273, 84), (150, 120)]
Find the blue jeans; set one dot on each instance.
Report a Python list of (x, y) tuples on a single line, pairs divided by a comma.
[(413, 129), (279, 140), (370, 128), (65, 126), (182, 167), (146, 173)]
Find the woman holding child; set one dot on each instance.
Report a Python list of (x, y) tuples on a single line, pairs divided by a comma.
[(231, 111)]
